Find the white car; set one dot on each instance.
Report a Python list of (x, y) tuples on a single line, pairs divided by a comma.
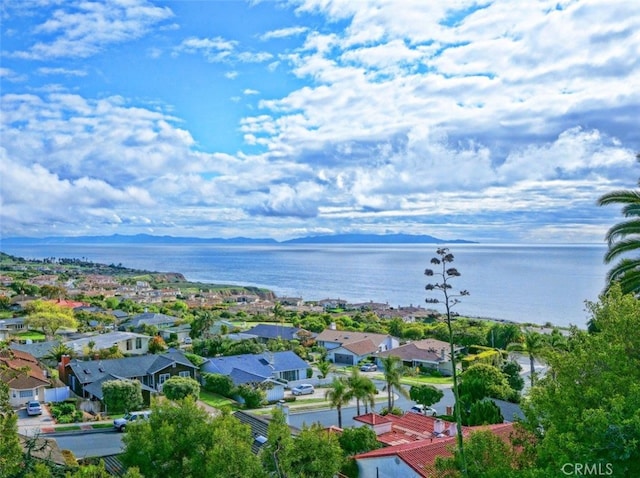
[(132, 417), (34, 408), (303, 389), (423, 410)]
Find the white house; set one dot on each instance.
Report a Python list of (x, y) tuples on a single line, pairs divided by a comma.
[(348, 348)]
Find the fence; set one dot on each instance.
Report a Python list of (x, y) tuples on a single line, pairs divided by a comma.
[(59, 394)]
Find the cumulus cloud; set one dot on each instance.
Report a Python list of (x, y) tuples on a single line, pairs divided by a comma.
[(83, 29)]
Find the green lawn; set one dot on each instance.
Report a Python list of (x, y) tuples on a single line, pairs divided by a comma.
[(31, 335), (218, 401)]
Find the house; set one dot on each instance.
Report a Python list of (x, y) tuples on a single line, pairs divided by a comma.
[(221, 327), (85, 377), (128, 343), (348, 348), (266, 332), (276, 368), (429, 353), (40, 350), (179, 332), (9, 327), (23, 385), (259, 428), (416, 446), (137, 322)]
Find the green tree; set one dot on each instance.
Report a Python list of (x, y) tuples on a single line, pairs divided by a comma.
[(325, 367), (511, 370), (49, 317), (589, 407), (57, 351), (231, 457), (338, 395), (181, 439), (425, 395), (393, 371), (10, 448), (444, 274), (482, 380), (484, 412), (501, 335), (624, 239), (279, 442), (178, 388), (314, 454), (358, 440), (122, 395), (218, 383), (534, 346), (361, 388)]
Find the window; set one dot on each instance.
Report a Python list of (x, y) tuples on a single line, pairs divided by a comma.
[(185, 373), (289, 375), (138, 343), (129, 344), (163, 377), (26, 393)]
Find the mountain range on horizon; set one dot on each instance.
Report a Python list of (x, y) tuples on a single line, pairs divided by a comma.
[(320, 239)]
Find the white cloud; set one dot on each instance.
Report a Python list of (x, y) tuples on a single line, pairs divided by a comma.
[(284, 33), (83, 29)]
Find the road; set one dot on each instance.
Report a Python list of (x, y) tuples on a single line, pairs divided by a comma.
[(90, 444)]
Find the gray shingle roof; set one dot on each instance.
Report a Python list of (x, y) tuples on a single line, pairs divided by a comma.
[(93, 370), (263, 364)]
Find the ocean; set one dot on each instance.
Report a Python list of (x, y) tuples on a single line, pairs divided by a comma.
[(521, 283)]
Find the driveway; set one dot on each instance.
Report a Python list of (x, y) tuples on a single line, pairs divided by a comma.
[(34, 425)]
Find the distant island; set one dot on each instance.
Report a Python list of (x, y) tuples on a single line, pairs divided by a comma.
[(151, 239)]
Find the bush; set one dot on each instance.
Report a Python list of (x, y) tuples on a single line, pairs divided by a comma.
[(253, 397), (218, 383), (394, 411)]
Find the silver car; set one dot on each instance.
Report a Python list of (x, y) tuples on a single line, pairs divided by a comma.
[(303, 389)]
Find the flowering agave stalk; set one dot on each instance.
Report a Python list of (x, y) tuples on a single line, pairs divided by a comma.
[(442, 274)]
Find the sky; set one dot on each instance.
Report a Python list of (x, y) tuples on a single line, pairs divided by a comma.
[(491, 121)]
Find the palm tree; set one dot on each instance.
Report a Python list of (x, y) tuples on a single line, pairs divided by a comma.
[(393, 372), (534, 345), (624, 238), (338, 395), (325, 368), (361, 388)]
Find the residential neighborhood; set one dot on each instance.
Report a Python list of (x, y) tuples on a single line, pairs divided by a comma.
[(338, 370)]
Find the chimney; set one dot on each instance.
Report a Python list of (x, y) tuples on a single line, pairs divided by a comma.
[(62, 367), (442, 354), (453, 429), (438, 426)]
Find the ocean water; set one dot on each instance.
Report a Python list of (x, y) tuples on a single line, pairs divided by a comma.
[(522, 283)]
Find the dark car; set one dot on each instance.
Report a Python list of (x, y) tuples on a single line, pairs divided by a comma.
[(34, 408)]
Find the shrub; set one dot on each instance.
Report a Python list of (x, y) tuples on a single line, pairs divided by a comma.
[(218, 383)]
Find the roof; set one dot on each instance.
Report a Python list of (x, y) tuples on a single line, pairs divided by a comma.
[(346, 337), (261, 365), (361, 347), (272, 331), (259, 428), (37, 349), (421, 455), (89, 371), (15, 360), (104, 341), (428, 350), (150, 318)]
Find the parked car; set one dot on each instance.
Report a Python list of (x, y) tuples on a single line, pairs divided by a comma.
[(369, 367), (120, 424), (303, 389), (423, 410), (34, 408)]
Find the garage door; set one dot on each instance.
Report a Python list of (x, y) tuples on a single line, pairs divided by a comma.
[(344, 359)]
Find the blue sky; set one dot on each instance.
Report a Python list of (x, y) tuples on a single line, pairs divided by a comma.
[(496, 121)]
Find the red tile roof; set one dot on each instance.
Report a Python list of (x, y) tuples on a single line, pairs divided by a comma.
[(421, 454), (15, 360)]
